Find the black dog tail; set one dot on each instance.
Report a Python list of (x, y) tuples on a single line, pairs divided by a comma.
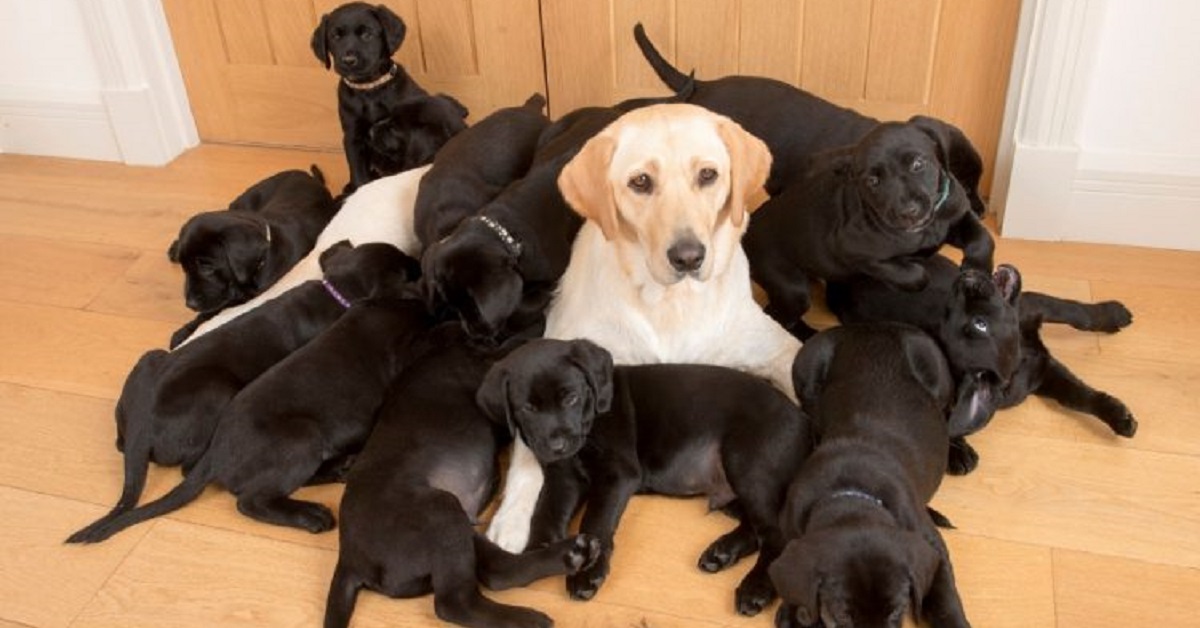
[(183, 493), (666, 72), (317, 174), (536, 102), (343, 594)]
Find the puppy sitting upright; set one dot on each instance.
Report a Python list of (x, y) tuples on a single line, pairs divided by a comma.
[(990, 331), (603, 434), (231, 256), (381, 108), (171, 402), (862, 548)]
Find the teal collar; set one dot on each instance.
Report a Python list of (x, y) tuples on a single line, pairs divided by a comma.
[(944, 192)]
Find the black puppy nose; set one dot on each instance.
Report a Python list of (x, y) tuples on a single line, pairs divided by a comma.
[(686, 255), (912, 209), (349, 61)]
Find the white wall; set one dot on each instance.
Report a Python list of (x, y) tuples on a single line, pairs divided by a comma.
[(91, 79), (1106, 140)]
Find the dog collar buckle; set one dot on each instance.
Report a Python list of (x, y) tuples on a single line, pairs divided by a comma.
[(337, 296), (943, 192), (857, 494), (369, 85), (507, 238)]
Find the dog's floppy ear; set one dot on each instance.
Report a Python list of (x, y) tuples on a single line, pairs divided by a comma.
[(246, 255), (597, 366), (333, 251), (749, 165), (797, 578), (928, 366), (492, 396), (957, 155), (173, 251), (584, 184), (393, 27), (319, 46), (923, 563), (1008, 281), (811, 366)]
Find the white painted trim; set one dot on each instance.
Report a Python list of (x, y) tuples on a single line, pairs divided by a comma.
[(142, 88), (56, 123)]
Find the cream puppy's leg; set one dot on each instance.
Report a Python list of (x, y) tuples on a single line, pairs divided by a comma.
[(510, 525)]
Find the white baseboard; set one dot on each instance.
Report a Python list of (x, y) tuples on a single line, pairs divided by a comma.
[(56, 123), (1133, 199)]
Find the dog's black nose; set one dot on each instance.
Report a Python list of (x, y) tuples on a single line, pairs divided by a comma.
[(686, 255), (349, 61)]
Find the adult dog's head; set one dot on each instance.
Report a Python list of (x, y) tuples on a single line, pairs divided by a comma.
[(549, 392), (901, 172), (222, 253), (980, 333), (671, 187), (867, 577), (359, 40)]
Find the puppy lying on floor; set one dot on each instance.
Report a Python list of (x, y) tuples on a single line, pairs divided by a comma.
[(412, 496), (230, 256), (171, 402), (862, 549), (990, 332), (381, 211), (475, 166), (314, 407), (602, 434), (379, 105)]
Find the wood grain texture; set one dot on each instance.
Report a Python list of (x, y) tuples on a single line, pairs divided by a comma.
[(1063, 524)]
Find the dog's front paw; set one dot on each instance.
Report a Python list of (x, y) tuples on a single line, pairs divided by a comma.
[(1112, 316), (315, 518), (962, 458), (1117, 416), (584, 584), (585, 550), (753, 595)]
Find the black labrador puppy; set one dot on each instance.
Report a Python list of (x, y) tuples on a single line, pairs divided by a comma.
[(990, 331), (315, 407), (377, 99), (603, 434), (475, 166), (503, 263), (862, 548), (171, 402), (875, 208), (796, 124), (231, 256), (415, 490)]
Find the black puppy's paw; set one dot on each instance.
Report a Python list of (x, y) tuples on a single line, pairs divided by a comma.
[(1111, 317), (1117, 416), (584, 584), (753, 595), (585, 550), (315, 518), (962, 458)]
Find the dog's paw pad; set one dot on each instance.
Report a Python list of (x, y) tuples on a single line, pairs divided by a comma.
[(751, 602), (962, 458), (715, 559), (584, 551)]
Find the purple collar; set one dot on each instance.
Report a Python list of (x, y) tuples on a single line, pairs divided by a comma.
[(337, 296)]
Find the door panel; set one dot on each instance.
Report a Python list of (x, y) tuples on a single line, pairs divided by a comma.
[(252, 77), (891, 59)]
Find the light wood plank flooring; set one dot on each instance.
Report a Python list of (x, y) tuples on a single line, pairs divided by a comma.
[(1062, 525)]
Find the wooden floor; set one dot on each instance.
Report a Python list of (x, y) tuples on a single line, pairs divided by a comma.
[(1063, 524)]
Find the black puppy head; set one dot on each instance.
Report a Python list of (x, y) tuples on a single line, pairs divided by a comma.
[(860, 578), (473, 273), (366, 270), (549, 392), (898, 172), (221, 254), (359, 40), (957, 155), (415, 131), (981, 335)]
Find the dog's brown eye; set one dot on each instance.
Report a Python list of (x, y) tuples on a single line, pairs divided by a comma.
[(918, 164), (367, 35), (706, 176), (641, 183), (872, 181), (979, 324)]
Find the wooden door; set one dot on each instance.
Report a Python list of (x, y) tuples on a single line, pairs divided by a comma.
[(252, 77), (890, 59)]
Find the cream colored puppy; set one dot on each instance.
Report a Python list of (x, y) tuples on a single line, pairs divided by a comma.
[(380, 211), (657, 273)]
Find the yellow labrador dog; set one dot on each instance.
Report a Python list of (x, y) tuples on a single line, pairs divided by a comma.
[(657, 273)]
